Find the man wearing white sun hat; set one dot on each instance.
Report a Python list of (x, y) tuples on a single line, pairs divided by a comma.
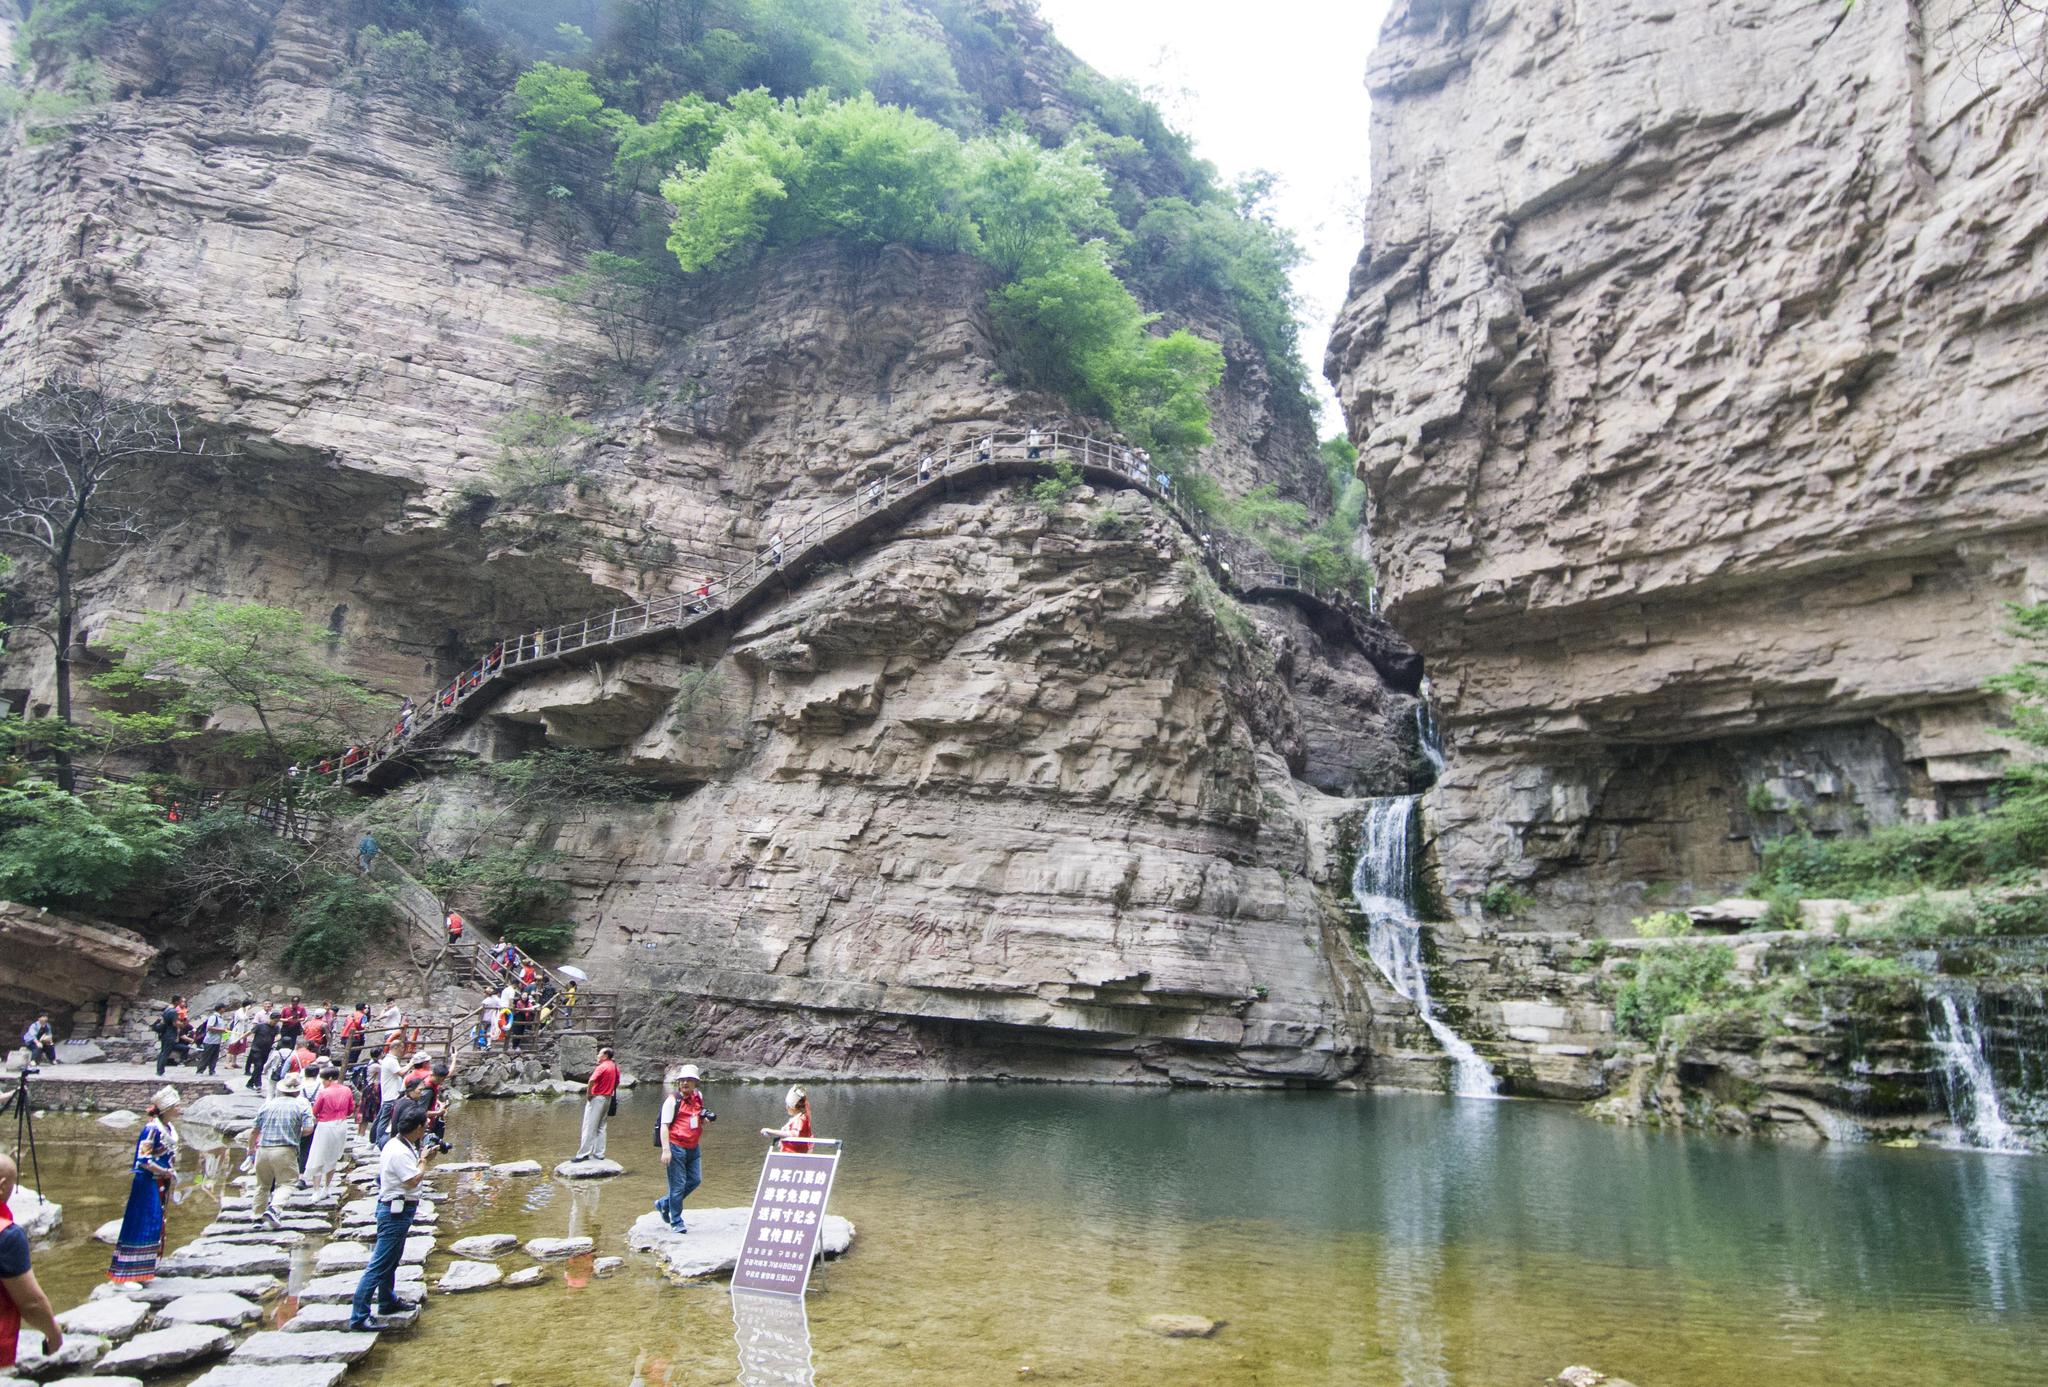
[(682, 1127)]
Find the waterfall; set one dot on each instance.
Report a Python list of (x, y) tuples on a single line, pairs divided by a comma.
[(1967, 1086), (1428, 736), (1383, 886)]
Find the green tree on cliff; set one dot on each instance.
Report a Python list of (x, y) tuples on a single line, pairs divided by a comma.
[(246, 664)]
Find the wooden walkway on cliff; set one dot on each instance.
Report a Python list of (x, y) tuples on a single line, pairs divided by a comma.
[(849, 525)]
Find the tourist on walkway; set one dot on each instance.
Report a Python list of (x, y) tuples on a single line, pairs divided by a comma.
[(390, 1085), (400, 1168), (986, 449), (22, 1301), (682, 1127), (924, 468), (313, 1034), (775, 548), (262, 1039), (1034, 445), (240, 1023), (334, 1109), (154, 1168), (213, 1033), (352, 1032), (455, 924), (169, 1023), (291, 1019), (274, 1146), (797, 1102), (599, 1098), (390, 1022), (40, 1040)]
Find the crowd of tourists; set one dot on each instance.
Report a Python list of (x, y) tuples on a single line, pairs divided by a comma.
[(527, 1002), (265, 1042)]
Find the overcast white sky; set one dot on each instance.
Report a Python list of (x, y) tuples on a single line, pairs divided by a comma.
[(1278, 85)]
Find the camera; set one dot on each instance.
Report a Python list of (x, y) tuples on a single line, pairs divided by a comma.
[(433, 1144)]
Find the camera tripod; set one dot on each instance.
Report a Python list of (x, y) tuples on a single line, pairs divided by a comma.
[(25, 1126)]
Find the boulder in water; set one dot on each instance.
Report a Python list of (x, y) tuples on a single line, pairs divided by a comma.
[(37, 1216), (468, 1276), (166, 1289), (530, 1276), (313, 1346), (557, 1249), (593, 1169), (516, 1168), (484, 1245), (267, 1375), (120, 1119), (225, 1259)]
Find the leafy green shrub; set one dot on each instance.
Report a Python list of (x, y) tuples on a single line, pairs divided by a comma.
[(58, 848), (1671, 980), (2011, 838), (1055, 490), (1835, 964), (75, 27), (1504, 900), (339, 913), (1109, 523), (1781, 911), (540, 452), (542, 938), (1662, 924), (560, 776)]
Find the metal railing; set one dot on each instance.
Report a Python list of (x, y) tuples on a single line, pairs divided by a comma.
[(1237, 564)]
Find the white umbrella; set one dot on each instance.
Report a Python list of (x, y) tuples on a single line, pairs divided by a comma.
[(570, 971)]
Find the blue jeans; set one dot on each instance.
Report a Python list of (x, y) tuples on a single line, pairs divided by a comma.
[(380, 1278), (685, 1173)]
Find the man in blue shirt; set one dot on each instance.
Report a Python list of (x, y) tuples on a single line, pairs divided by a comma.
[(22, 1301)]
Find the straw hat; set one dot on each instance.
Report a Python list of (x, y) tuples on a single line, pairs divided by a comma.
[(291, 1085), (167, 1098), (686, 1071)]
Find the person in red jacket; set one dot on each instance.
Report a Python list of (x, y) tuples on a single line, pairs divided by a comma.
[(682, 1127), (455, 923), (597, 1106)]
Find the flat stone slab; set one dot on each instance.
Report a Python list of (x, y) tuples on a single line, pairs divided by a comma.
[(108, 1233), (468, 1276), (79, 1351), (166, 1289), (365, 1211), (712, 1246), (120, 1118), (345, 1256), (326, 1290), (313, 1346), (1181, 1326), (531, 1276), (266, 1375), (252, 1235), (557, 1249), (112, 1320), (456, 1167), (88, 1381), (598, 1169), (225, 1259), (484, 1245), (210, 1307), (605, 1266), (334, 1316), (160, 1350), (516, 1168)]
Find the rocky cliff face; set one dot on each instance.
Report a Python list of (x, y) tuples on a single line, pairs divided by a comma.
[(1693, 358), (1010, 793)]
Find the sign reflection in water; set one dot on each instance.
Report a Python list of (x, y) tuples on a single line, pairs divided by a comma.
[(774, 1337)]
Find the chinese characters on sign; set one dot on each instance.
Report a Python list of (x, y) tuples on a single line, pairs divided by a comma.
[(789, 1214)]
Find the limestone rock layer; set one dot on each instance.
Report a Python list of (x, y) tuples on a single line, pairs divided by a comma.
[(1694, 358)]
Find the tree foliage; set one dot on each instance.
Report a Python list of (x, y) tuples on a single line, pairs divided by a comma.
[(58, 848), (79, 27), (340, 912), (245, 662)]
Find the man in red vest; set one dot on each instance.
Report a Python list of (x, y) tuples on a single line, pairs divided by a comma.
[(21, 1300)]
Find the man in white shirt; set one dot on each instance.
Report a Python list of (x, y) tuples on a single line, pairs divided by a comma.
[(400, 1168), (391, 1020), (390, 1087)]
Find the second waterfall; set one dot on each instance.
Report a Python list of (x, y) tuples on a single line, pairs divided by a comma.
[(1383, 887)]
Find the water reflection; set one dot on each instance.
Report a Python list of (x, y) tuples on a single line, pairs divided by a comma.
[(774, 1337)]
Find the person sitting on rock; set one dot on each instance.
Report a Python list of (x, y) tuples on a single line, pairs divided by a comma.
[(40, 1040)]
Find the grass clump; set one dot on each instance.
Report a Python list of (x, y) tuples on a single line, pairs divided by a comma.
[(1504, 901), (1668, 981)]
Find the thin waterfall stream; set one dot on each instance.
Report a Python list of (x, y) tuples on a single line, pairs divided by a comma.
[(1968, 1087), (1383, 887)]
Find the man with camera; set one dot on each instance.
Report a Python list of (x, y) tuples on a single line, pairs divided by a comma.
[(400, 1167)]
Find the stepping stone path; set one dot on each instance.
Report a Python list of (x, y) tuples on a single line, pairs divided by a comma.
[(213, 1295)]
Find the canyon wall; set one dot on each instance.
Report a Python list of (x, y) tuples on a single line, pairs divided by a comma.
[(1694, 359), (1010, 793)]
